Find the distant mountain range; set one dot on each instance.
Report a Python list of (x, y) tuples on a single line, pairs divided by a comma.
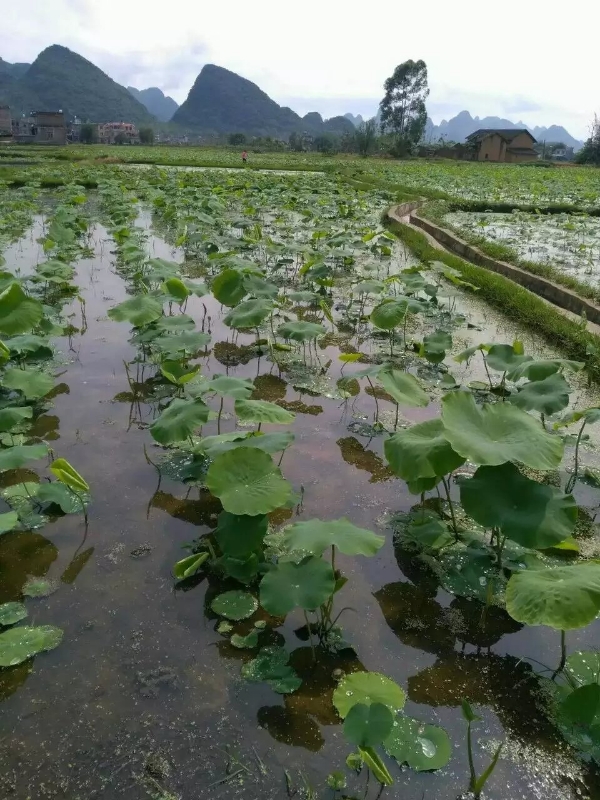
[(220, 102), (162, 106)]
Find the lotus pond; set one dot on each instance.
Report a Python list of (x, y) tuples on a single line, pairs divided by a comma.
[(568, 242), (285, 512)]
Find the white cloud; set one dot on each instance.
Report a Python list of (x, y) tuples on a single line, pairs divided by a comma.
[(487, 59)]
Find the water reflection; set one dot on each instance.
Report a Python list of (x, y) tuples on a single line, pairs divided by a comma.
[(201, 511), (356, 454), (269, 387), (22, 554)]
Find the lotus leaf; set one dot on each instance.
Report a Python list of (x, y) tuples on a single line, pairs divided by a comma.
[(301, 331), (494, 434), (542, 368), (14, 457), (504, 357), (421, 451), (247, 482), (245, 642), (68, 475), (367, 688), (235, 605), (547, 396), (422, 747), (239, 535), (11, 613), (307, 585), (262, 411), (8, 521), (179, 421), (231, 387), (248, 314), (404, 388), (18, 313), (11, 417), (315, 536), (368, 725), (271, 666), (228, 287), (138, 310), (20, 643), (560, 597), (189, 566), (584, 667)]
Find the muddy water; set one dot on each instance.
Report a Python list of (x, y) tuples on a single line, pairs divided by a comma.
[(143, 698)]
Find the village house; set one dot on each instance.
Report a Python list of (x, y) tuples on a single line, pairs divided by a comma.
[(510, 145), (5, 122), (117, 133), (42, 127)]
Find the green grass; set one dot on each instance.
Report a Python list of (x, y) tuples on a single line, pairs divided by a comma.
[(510, 298)]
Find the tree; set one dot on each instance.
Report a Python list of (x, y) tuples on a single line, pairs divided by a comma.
[(365, 136), (121, 138), (403, 111), (88, 133), (590, 152), (326, 143), (146, 136), (237, 139)]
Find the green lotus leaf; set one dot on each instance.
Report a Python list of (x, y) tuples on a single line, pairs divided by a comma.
[(389, 314), (373, 761), (175, 372), (582, 705), (422, 747), (404, 388), (368, 725), (179, 420), (181, 323), (271, 666), (180, 344), (304, 297), (306, 585), (504, 357), (20, 643), (262, 411), (494, 434), (243, 570), (584, 667), (18, 313), (176, 289), (235, 605), (39, 587), (315, 536), (259, 287), (15, 457), (248, 314), (228, 287), (301, 331), (239, 535), (32, 346), (13, 416), (267, 442), (239, 388), (8, 521), (60, 495), (547, 396), (68, 475), (532, 514), (11, 613), (435, 345), (560, 597), (538, 370), (139, 310), (369, 287), (245, 642), (367, 688), (189, 566), (421, 451), (33, 384), (247, 482)]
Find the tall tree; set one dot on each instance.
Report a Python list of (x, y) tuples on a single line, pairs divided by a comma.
[(590, 152), (146, 136), (403, 111), (366, 136)]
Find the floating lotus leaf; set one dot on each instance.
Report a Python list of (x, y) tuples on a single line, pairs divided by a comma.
[(20, 643), (142, 309), (271, 666), (235, 605), (367, 688), (547, 396), (560, 597), (494, 434), (33, 384), (11, 613), (39, 587), (247, 482), (582, 705), (245, 642), (248, 314), (368, 725), (179, 421), (404, 388), (228, 287), (18, 313), (315, 536), (301, 331), (306, 585), (15, 457), (422, 747), (421, 451), (8, 521), (262, 411), (11, 417), (533, 514), (60, 495)]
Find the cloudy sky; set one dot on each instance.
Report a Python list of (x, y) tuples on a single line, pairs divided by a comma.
[(522, 61)]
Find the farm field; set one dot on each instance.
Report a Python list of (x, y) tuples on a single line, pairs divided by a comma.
[(570, 243), (276, 499)]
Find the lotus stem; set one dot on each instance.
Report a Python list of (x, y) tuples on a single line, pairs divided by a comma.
[(454, 527)]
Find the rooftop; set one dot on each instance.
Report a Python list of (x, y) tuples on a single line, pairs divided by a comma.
[(508, 134)]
